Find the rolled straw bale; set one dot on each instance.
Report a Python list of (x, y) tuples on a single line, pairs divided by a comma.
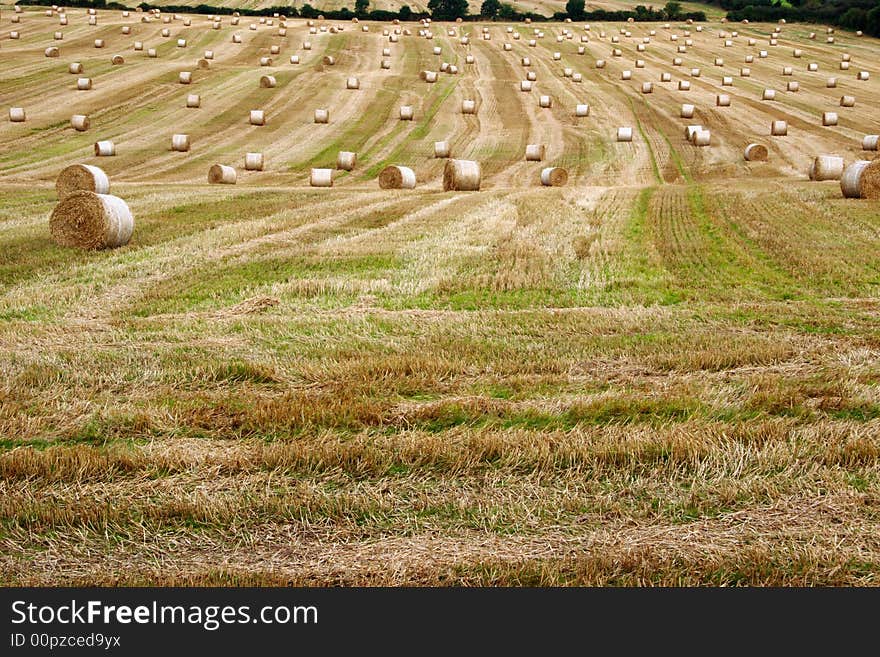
[(441, 149), (79, 178), (257, 117), (346, 160), (75, 68), (846, 57), (624, 134), (726, 81), (545, 102), (826, 167), (307, 45), (647, 87), (844, 66), (829, 118), (581, 109), (181, 43), (600, 63), (462, 176), (863, 76), (79, 122), (531, 76), (665, 77), (831, 83), (294, 59), (406, 113), (851, 180), (236, 38), (690, 131), (253, 161), (525, 85), (722, 100), (220, 174), (267, 81), (151, 53), (352, 83), (59, 36), (626, 75), (138, 45), (702, 138), (684, 85), (749, 59), (274, 50), (468, 106), (687, 111), (17, 115), (554, 176), (88, 220), (534, 152), (793, 86), (51, 51), (321, 177), (779, 129), (265, 61), (870, 142), (99, 43), (869, 181), (695, 72), (813, 67), (193, 101), (117, 60), (756, 153), (180, 143), (397, 177), (769, 94), (322, 116), (203, 64), (185, 77), (83, 84), (105, 148), (847, 101)]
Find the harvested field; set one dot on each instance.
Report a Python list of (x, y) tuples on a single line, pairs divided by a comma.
[(664, 372)]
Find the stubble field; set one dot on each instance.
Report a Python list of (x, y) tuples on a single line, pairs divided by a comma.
[(665, 372)]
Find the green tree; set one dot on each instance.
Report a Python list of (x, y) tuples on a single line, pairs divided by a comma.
[(507, 12), (405, 13), (448, 10), (672, 9), (575, 9), (490, 8), (361, 6)]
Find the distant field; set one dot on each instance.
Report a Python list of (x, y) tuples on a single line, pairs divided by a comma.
[(665, 372)]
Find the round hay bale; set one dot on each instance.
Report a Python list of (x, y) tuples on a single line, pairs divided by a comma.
[(684, 85), (624, 134), (870, 142), (203, 64), (138, 45), (778, 129), (17, 115), (220, 174), (117, 60), (531, 76), (462, 176), (79, 178), (406, 113), (687, 111), (321, 178), (193, 101), (75, 68), (209, 54), (626, 75), (322, 116), (851, 180), (535, 152), (307, 45), (88, 220), (352, 83), (831, 83), (59, 36), (185, 77), (702, 138), (722, 100), (236, 38), (793, 86), (84, 84), (554, 176), (397, 177), (582, 110), (525, 86), (844, 65), (265, 61), (180, 143), (869, 184), (545, 101), (829, 118), (468, 107), (181, 43), (441, 149), (79, 122), (385, 64), (267, 82), (600, 63), (253, 161), (826, 167), (105, 148), (769, 94), (647, 87), (847, 101), (275, 50), (690, 131), (99, 43), (346, 160), (863, 76), (294, 59), (812, 67), (756, 153), (257, 117), (52, 51)]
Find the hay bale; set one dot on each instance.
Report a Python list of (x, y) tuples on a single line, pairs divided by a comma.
[(253, 161), (397, 177), (582, 110), (756, 153), (690, 131), (647, 87), (265, 61), (257, 117), (600, 63), (687, 111), (863, 76), (294, 59), (267, 82), (468, 107), (684, 85), (84, 84), (545, 101), (193, 101), (531, 76), (79, 122), (626, 75), (870, 142), (322, 116), (117, 60), (406, 113), (181, 43), (624, 134), (535, 152), (99, 43), (831, 83), (769, 94), (352, 83), (702, 138), (847, 101), (79, 178), (75, 68), (105, 148), (525, 85), (346, 160), (826, 167), (220, 174), (180, 143), (58, 36), (52, 51), (462, 176), (778, 129), (138, 45), (307, 45), (236, 38), (554, 176), (321, 178), (851, 180), (722, 100), (441, 149), (88, 220), (17, 115), (203, 64), (829, 118)]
